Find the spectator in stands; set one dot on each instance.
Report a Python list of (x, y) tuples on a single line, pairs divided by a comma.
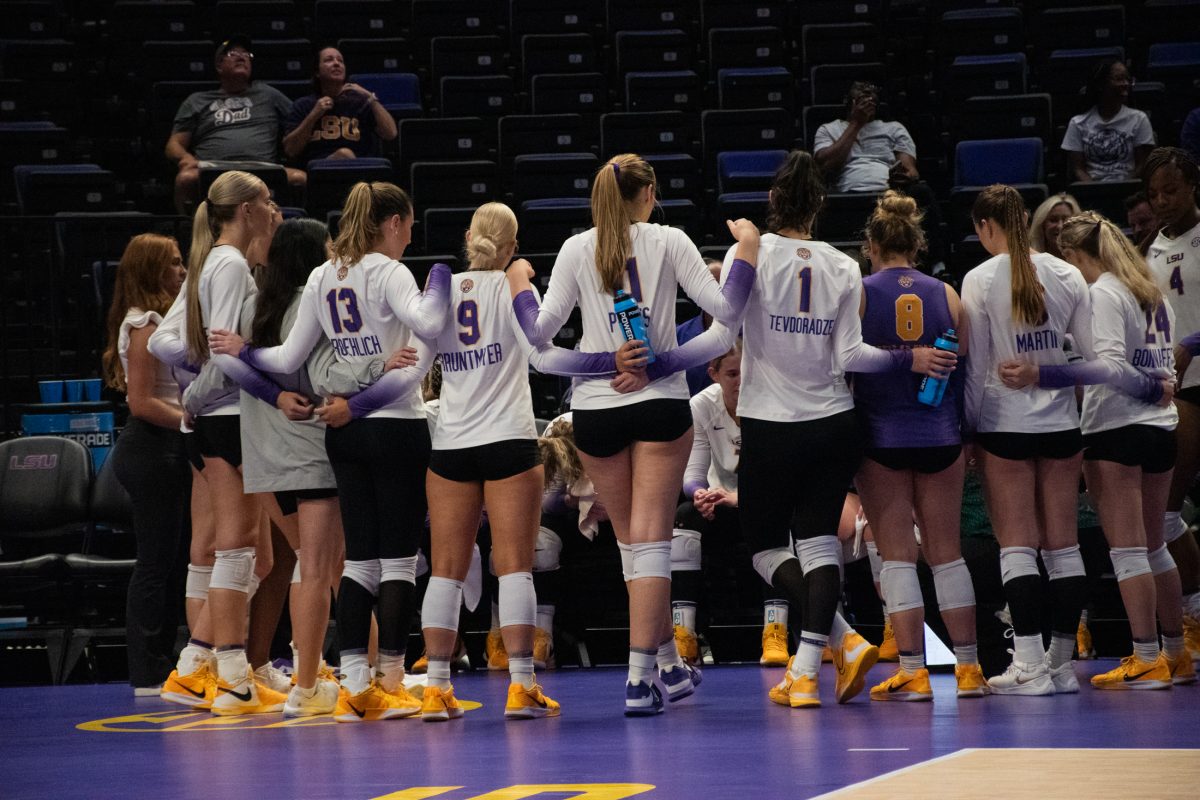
[(863, 153), (339, 120), (1143, 224), (1048, 220), (1189, 136), (1110, 141), (238, 122)]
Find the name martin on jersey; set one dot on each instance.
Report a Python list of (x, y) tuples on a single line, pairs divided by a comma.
[(1037, 340)]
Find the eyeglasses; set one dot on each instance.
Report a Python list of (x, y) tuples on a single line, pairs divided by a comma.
[(239, 54)]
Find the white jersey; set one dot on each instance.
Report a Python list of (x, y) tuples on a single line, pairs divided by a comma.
[(1126, 335), (166, 388), (801, 332), (225, 283), (485, 366), (995, 337), (662, 259), (367, 311), (716, 444), (1175, 264)]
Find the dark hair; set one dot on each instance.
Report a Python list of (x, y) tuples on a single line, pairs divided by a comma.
[(1162, 156), (296, 250), (316, 76), (859, 88), (1134, 200), (797, 193), (1099, 79)]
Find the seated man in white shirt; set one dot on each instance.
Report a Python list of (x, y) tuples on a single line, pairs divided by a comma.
[(862, 153)]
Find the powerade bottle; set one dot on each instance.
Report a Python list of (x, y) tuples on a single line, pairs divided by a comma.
[(933, 389), (629, 320)]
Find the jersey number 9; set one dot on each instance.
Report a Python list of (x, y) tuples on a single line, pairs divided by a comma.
[(468, 318), (910, 317), (345, 317)]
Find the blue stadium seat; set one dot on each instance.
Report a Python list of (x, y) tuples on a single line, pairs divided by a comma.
[(376, 55), (651, 132), (260, 19), (55, 188), (677, 174), (398, 92), (445, 228), (1080, 27), (585, 93), (542, 176), (428, 139), (546, 224), (756, 88), (557, 54), (981, 32), (477, 95), (466, 55), (529, 134), (970, 76), (283, 60), (1176, 64), (851, 43), (747, 171), (330, 180), (344, 19), (454, 183), (743, 129), (681, 90), (984, 162), (653, 51), (745, 48)]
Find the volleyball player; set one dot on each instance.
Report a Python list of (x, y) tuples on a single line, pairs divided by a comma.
[(1172, 182), (634, 446), (800, 441), (1129, 444), (1021, 306), (914, 467)]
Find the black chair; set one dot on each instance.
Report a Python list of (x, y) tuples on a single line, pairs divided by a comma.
[(1096, 25), (445, 228), (828, 83), (1003, 117), (771, 87), (284, 60), (529, 134), (679, 90), (541, 176), (186, 60), (330, 180), (640, 50), (31, 20), (336, 19), (981, 32), (745, 48), (738, 13), (432, 18), (1106, 197), (139, 20), (447, 183), (843, 216), (55, 188), (678, 175), (744, 129), (376, 55), (424, 139), (550, 16), (651, 132), (584, 93), (545, 224), (853, 43), (260, 19), (641, 15), (466, 55), (556, 53), (477, 96), (273, 175)]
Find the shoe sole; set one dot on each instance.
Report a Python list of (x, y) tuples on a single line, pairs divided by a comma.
[(293, 713), (1074, 689), (1025, 690), (858, 674), (1132, 686), (982, 691), (643, 712), (182, 699), (237, 711), (1184, 681), (903, 697), (530, 713), (804, 702), (773, 662)]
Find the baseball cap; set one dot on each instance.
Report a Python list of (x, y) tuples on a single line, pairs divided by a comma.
[(233, 42)]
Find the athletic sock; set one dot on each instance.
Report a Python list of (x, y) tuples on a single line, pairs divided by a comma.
[(1029, 649), (437, 674), (775, 612), (839, 629), (1083, 617), (683, 614), (1173, 646), (1191, 604), (194, 655), (668, 654), (545, 618), (391, 670), (1061, 648), (356, 672), (1146, 651), (641, 665), (807, 660), (966, 653), (232, 664), (911, 662), (520, 670)]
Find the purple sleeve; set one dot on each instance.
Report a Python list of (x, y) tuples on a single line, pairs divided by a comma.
[(1083, 373), (551, 360), (394, 384), (526, 307), (713, 342), (691, 487), (868, 358), (250, 379), (1191, 342), (737, 286)]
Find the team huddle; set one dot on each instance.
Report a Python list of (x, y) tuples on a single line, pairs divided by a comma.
[(302, 394)]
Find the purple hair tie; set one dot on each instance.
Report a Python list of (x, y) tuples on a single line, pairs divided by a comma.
[(616, 170)]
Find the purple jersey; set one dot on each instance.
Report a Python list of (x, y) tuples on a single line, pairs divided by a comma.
[(904, 309)]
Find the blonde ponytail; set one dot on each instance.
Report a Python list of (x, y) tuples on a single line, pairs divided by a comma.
[(1092, 234), (559, 456), (367, 206), (1004, 207), (493, 227), (227, 192), (615, 187)]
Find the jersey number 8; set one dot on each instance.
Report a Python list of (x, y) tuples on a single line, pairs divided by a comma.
[(910, 317)]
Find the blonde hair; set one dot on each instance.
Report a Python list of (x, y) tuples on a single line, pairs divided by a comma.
[(736, 350), (1094, 235), (559, 456), (614, 189), (1037, 235), (1004, 207), (139, 285), (493, 227), (367, 207), (226, 194), (895, 225)]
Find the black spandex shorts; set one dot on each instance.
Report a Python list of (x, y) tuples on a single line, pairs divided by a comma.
[(1145, 446), (1190, 395), (191, 446), (605, 432), (925, 460), (1024, 446), (289, 499), (486, 462), (220, 437)]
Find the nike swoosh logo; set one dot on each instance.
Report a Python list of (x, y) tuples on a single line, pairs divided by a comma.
[(361, 714), (193, 692), (1140, 674), (900, 686), (718, 427), (1027, 680), (245, 696)]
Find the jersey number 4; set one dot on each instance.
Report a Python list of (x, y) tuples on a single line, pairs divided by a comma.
[(343, 310), (1158, 321), (468, 320), (1176, 281)]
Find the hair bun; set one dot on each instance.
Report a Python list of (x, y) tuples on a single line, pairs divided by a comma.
[(481, 247), (893, 202)]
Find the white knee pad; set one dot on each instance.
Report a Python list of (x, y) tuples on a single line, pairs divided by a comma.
[(1016, 562), (398, 569), (422, 563), (952, 582), (443, 597), (819, 551), (651, 560), (546, 551), (1160, 561), (1064, 563), (901, 588), (518, 603), (1129, 562), (875, 560), (766, 562), (296, 569), (233, 570), (1173, 526), (685, 550), (196, 587), (364, 573), (626, 560)]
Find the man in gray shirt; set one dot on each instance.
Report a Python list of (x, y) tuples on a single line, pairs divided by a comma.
[(240, 121)]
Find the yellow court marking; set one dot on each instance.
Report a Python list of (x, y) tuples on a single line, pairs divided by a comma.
[(578, 791), (1038, 773), (184, 720)]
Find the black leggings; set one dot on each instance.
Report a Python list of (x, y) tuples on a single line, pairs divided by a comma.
[(793, 478), (151, 463), (380, 464)]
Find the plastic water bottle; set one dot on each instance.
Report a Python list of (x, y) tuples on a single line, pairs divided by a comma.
[(933, 389), (630, 321)]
